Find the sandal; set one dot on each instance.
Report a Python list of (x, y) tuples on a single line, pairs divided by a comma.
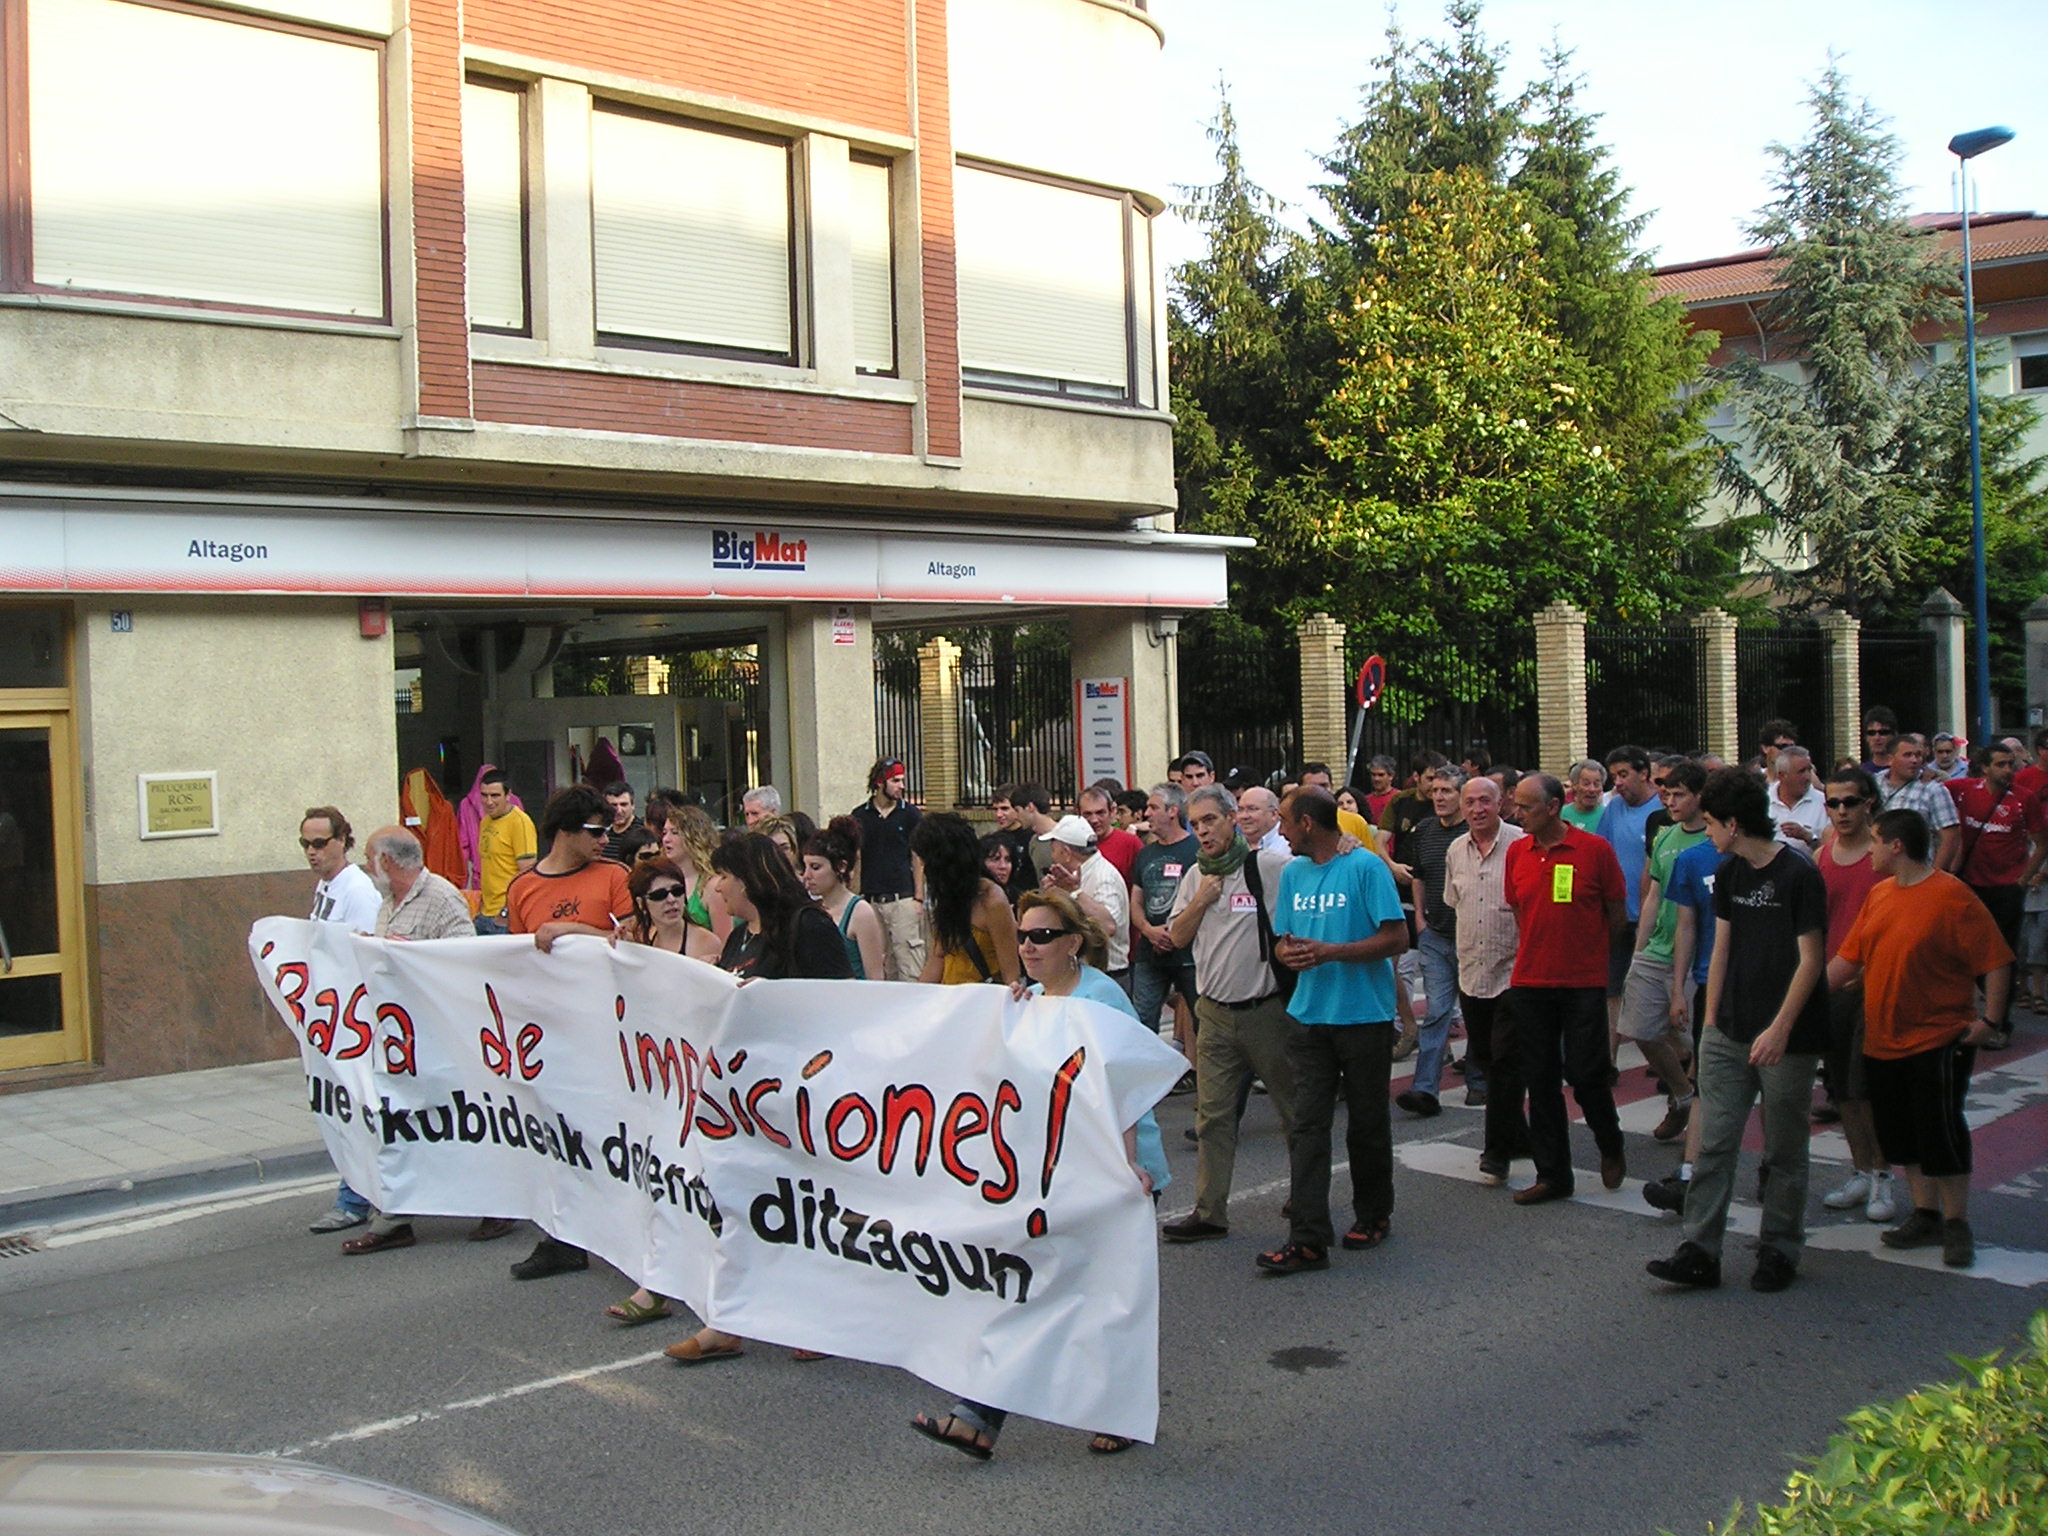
[(693, 1351), (633, 1313), (1292, 1259), (808, 1356), (978, 1442), (1110, 1445), (1367, 1234)]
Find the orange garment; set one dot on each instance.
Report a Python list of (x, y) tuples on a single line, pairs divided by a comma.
[(422, 807), (960, 968), (1922, 948), (594, 894)]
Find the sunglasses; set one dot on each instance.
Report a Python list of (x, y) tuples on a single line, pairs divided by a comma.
[(666, 893), (1844, 803), (1880, 730), (314, 844), (1041, 937), (600, 830), (1779, 746)]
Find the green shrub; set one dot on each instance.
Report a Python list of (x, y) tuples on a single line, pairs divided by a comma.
[(1970, 1456)]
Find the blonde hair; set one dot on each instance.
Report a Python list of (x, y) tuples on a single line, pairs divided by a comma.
[(698, 834), (1094, 947)]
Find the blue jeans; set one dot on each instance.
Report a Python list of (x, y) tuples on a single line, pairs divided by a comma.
[(347, 1199), (1440, 981), (1151, 980), (490, 925)]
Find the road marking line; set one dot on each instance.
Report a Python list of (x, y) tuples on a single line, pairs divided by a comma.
[(97, 1229), (463, 1405)]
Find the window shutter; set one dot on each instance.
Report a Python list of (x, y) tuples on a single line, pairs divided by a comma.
[(874, 277), (691, 229), (1042, 281), (185, 156), (493, 205)]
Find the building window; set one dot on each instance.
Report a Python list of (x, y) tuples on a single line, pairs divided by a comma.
[(494, 205), (2030, 363), (870, 219), (1047, 297), (180, 155), (693, 237)]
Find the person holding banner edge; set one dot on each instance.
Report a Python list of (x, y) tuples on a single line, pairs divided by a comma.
[(1062, 950)]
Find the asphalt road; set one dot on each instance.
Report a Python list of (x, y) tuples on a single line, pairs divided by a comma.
[(1489, 1369)]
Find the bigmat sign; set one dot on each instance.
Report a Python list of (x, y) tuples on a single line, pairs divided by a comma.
[(932, 1178)]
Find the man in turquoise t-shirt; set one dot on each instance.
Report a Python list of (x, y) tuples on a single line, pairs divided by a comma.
[(1337, 925)]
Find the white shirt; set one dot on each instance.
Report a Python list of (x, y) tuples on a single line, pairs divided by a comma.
[(1273, 842), (349, 898), (1811, 812), (1100, 882)]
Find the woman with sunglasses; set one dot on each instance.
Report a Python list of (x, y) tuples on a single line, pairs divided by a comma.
[(829, 857), (779, 933), (661, 913), (1062, 952)]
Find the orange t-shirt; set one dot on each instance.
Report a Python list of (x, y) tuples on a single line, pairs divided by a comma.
[(1922, 948), (594, 894)]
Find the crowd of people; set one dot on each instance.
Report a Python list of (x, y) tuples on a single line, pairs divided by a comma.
[(1753, 929)]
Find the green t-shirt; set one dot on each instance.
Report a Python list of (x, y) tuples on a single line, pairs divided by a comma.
[(1671, 842), (1585, 821)]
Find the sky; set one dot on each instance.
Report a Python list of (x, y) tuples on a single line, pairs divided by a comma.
[(1690, 94)]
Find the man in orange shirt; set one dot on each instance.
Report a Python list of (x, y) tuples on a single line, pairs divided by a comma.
[(573, 889), (1920, 945)]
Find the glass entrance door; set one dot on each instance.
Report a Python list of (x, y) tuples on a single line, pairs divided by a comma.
[(42, 1013)]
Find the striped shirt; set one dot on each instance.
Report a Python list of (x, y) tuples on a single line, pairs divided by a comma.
[(432, 909), (1487, 932), (1927, 796)]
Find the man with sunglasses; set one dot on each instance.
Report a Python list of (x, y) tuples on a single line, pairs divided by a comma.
[(1880, 734), (343, 894), (1849, 872)]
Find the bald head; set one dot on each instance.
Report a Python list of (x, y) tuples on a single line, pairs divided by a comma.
[(1258, 813)]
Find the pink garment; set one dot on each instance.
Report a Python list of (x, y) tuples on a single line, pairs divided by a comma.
[(604, 767), (471, 817)]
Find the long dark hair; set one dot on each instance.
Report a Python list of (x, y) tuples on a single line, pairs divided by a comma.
[(762, 869), (952, 876)]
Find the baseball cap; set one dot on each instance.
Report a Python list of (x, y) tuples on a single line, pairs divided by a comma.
[(1071, 830), (1202, 758)]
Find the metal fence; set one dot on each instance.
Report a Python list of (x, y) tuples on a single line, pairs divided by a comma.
[(899, 721), (1016, 718), (1473, 692), (1783, 672), (1646, 684), (1240, 693), (1897, 667)]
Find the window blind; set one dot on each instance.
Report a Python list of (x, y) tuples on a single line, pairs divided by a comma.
[(493, 186), (691, 230), (1043, 291), (185, 156), (874, 278)]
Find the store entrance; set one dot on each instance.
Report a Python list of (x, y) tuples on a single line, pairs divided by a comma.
[(557, 697)]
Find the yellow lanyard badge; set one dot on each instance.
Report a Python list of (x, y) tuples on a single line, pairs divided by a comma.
[(1561, 882)]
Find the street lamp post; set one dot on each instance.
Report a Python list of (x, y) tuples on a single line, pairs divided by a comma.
[(1966, 147)]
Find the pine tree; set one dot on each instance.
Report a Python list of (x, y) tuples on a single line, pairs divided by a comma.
[(1838, 457)]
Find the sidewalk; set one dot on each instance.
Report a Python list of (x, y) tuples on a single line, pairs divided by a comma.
[(104, 1148)]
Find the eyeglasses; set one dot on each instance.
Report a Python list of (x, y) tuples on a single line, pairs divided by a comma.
[(1879, 730), (1040, 937), (666, 893), (1844, 803), (314, 844)]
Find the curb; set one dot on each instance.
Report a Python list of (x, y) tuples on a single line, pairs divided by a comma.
[(119, 1195)]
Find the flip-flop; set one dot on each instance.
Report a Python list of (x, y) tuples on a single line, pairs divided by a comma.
[(633, 1314), (934, 1429), (1110, 1445), (690, 1352), (808, 1356)]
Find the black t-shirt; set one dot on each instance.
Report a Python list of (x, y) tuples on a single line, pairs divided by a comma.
[(1157, 872), (819, 954), (1427, 845), (1659, 820), (885, 848), (1767, 910)]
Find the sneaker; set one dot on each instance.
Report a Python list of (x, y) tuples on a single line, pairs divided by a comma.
[(1475, 1098), (1689, 1265), (1675, 1120), (1494, 1170), (1958, 1245), (339, 1219), (550, 1258), (1292, 1259), (1192, 1229), (1458, 1066), (1853, 1191), (1666, 1194), (1185, 1085), (1421, 1105), (1922, 1229), (1773, 1270), (1883, 1204)]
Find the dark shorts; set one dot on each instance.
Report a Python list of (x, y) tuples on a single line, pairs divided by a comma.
[(1848, 1082), (1917, 1102), (1621, 953)]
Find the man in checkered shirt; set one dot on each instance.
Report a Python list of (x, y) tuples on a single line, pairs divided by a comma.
[(1903, 789)]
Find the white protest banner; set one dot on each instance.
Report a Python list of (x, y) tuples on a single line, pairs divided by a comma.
[(926, 1177)]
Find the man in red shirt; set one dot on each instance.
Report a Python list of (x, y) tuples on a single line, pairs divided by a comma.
[(1999, 823), (1569, 899), (1098, 808)]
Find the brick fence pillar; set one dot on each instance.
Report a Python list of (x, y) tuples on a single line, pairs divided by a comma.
[(1324, 685), (938, 709), (1722, 727), (1840, 735), (1560, 687), (1949, 622)]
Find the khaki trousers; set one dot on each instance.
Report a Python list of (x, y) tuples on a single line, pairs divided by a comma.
[(902, 938), (1232, 1046)]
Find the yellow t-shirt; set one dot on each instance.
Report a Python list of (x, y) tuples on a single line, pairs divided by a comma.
[(1355, 824), (501, 842)]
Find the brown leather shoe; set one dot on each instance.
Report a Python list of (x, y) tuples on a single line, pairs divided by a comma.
[(399, 1236), (1613, 1168), (491, 1227), (1540, 1193)]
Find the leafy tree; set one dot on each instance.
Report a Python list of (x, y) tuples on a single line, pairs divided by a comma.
[(1840, 457)]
